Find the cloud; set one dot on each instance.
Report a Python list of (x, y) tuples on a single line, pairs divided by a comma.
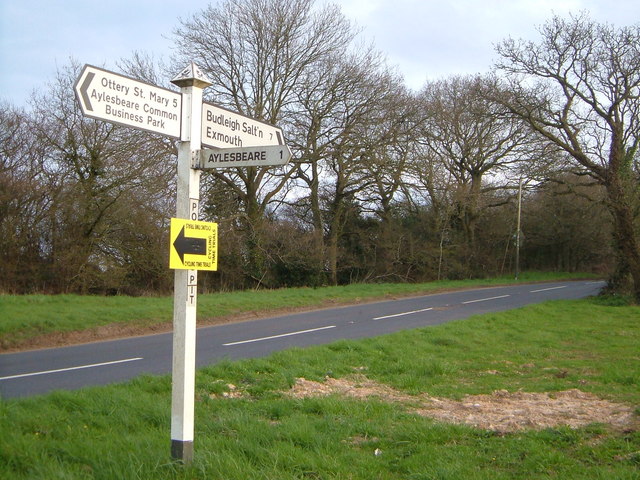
[(425, 39), (431, 39)]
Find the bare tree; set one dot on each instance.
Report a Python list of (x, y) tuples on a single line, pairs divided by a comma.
[(567, 226), (579, 88), (106, 186), (464, 133), (392, 148), (23, 203), (343, 121), (257, 52)]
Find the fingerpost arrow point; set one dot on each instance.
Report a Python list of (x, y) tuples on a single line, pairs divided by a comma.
[(83, 90)]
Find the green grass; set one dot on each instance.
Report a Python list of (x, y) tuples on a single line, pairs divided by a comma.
[(122, 431), (23, 317)]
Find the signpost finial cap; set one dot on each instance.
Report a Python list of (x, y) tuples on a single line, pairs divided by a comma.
[(192, 75)]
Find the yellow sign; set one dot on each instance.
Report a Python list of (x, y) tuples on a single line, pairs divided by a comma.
[(193, 245)]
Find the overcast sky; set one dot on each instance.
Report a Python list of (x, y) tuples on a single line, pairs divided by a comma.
[(424, 39)]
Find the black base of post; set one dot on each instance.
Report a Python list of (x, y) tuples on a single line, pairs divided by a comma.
[(182, 450)]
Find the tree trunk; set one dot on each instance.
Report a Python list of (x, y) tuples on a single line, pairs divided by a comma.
[(317, 219), (256, 267), (626, 243), (332, 253)]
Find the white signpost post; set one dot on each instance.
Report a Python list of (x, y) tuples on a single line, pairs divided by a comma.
[(239, 141), (191, 82)]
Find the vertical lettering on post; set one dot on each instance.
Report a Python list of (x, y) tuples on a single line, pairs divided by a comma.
[(192, 287), (194, 208)]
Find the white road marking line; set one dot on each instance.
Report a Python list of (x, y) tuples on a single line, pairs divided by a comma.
[(45, 372), (404, 313), (546, 289), (485, 299), (278, 336)]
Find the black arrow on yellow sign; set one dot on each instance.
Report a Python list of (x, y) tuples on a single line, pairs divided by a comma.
[(189, 245)]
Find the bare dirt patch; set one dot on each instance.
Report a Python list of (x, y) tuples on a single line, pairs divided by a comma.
[(500, 411)]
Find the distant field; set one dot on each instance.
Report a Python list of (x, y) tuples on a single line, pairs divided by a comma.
[(391, 407), (25, 319)]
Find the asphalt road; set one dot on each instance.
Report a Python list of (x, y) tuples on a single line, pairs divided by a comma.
[(41, 371)]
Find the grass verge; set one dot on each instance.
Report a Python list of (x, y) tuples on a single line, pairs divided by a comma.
[(25, 317), (122, 431)]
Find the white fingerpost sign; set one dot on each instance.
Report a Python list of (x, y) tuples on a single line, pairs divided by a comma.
[(222, 128), (270, 155), (239, 141), (112, 97)]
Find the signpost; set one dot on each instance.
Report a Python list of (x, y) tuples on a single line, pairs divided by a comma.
[(239, 141), (191, 82), (115, 98), (270, 155)]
